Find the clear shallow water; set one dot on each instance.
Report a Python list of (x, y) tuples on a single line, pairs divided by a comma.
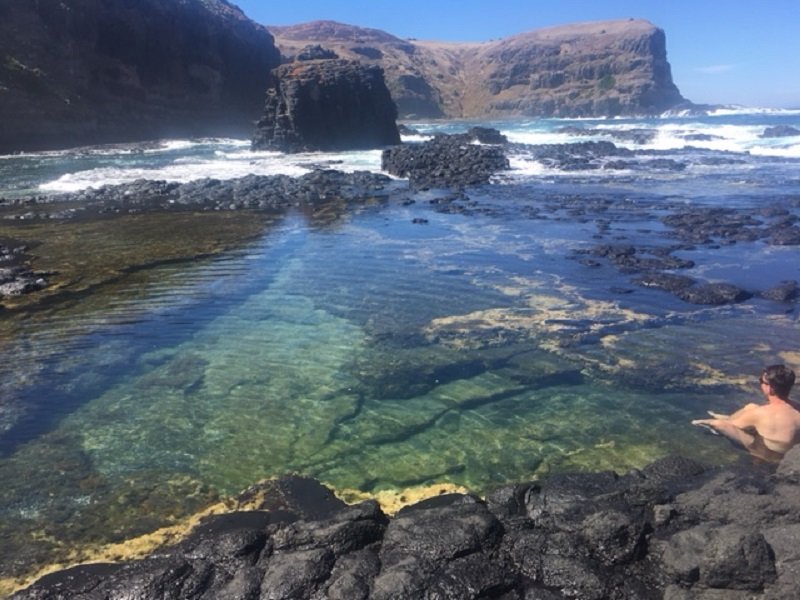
[(373, 353)]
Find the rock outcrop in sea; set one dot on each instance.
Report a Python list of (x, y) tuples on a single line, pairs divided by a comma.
[(448, 161), (674, 529), (605, 68), (79, 72), (327, 104)]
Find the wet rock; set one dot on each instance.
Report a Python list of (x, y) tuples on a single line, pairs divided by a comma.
[(729, 557), (785, 236), (20, 279), (665, 281), (700, 137), (703, 225), (406, 130), (714, 294), (580, 156), (445, 161), (630, 259), (254, 192), (487, 135), (666, 164), (636, 136), (785, 291), (780, 131), (674, 529)]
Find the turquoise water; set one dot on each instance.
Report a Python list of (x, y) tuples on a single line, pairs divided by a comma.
[(376, 354)]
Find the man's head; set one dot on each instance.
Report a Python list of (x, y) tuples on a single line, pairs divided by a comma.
[(778, 377)]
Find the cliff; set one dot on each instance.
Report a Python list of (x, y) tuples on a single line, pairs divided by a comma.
[(327, 104), (75, 72), (588, 69)]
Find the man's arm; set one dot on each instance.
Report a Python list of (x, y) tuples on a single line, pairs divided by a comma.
[(730, 430), (734, 426)]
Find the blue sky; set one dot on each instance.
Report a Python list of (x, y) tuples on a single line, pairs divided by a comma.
[(732, 52)]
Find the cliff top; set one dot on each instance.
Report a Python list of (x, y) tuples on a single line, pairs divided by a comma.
[(333, 31)]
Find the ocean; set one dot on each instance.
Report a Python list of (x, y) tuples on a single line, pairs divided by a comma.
[(470, 341)]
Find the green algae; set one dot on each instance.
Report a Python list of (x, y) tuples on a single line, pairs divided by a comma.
[(83, 254)]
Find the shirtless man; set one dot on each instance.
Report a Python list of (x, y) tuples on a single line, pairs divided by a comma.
[(765, 430)]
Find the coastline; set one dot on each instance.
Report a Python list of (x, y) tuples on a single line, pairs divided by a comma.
[(582, 337), (673, 529)]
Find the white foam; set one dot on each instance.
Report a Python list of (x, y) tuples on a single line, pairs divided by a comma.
[(536, 137), (790, 151), (729, 111), (223, 163), (415, 138)]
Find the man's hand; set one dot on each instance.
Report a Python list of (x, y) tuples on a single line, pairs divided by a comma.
[(707, 424)]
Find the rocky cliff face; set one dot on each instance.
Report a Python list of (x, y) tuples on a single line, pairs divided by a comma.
[(590, 69), (327, 104), (76, 72)]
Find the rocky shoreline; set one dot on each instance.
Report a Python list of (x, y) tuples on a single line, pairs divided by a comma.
[(451, 164), (673, 529)]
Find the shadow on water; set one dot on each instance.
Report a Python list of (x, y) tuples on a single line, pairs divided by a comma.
[(77, 345)]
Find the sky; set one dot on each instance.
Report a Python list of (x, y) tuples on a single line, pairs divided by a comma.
[(744, 52)]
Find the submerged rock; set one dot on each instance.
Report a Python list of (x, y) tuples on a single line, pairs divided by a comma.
[(674, 529), (785, 291), (18, 280), (714, 294)]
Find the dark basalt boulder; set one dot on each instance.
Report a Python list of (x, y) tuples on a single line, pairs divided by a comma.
[(785, 291), (327, 105), (714, 294), (636, 136), (629, 259), (20, 279), (487, 135), (80, 72), (780, 131), (255, 192), (665, 281), (785, 236), (579, 156), (674, 529), (445, 161)]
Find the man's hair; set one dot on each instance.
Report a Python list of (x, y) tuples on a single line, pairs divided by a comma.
[(780, 378)]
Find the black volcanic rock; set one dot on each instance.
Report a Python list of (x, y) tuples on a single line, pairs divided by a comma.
[(780, 131), (587, 69), (445, 161), (327, 105), (674, 529), (713, 294), (80, 72), (785, 291)]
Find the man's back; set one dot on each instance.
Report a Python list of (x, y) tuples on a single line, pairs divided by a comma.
[(778, 424)]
